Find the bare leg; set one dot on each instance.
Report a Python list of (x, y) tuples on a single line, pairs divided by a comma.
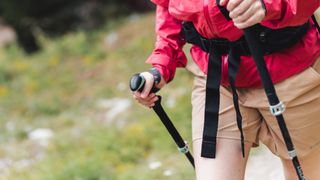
[(228, 164), (310, 165)]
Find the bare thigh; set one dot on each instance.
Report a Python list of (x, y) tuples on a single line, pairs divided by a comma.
[(302, 98), (228, 164)]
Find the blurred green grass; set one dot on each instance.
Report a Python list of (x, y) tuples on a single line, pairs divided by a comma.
[(66, 87)]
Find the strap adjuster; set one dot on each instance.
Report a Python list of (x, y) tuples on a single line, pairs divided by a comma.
[(278, 109), (185, 149), (292, 154)]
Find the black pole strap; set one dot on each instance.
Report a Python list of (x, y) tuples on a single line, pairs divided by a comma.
[(137, 83), (182, 145)]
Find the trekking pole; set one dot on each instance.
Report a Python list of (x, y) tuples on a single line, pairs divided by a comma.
[(276, 107), (137, 83)]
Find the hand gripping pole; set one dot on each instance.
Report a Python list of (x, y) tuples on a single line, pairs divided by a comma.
[(137, 83)]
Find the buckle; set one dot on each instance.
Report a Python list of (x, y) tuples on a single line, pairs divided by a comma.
[(292, 154), (278, 109), (185, 149)]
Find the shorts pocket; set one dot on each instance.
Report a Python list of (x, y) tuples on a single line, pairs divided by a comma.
[(316, 68)]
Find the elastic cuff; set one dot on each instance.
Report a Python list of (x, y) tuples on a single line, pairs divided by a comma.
[(165, 73), (164, 65)]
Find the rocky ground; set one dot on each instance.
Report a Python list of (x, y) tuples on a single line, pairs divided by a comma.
[(263, 165)]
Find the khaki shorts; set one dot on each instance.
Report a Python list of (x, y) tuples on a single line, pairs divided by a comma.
[(301, 95)]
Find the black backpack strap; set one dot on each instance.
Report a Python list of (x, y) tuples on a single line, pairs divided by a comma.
[(272, 40), (276, 107), (233, 67), (212, 104), (211, 115)]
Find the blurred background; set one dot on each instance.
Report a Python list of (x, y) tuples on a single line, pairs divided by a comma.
[(65, 108)]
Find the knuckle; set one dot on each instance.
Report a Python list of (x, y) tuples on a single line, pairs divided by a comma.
[(232, 4), (232, 15), (240, 26), (240, 19), (258, 5), (261, 13), (250, 23), (235, 12), (236, 21)]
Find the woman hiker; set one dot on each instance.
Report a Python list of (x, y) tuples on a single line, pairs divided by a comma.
[(230, 111)]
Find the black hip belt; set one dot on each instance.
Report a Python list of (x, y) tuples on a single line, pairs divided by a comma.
[(272, 41)]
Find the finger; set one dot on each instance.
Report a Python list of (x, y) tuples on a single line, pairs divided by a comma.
[(244, 16), (153, 101), (147, 104), (148, 85), (255, 19), (148, 100), (146, 90), (233, 4), (253, 15), (134, 97), (143, 101), (240, 9), (223, 2), (150, 97), (136, 94)]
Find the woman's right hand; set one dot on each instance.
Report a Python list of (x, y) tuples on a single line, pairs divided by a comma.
[(145, 97)]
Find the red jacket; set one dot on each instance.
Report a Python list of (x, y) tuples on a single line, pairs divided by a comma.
[(211, 23)]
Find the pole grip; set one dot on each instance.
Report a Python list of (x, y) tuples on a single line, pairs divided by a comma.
[(137, 83)]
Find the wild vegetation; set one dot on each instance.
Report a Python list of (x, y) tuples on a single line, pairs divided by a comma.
[(54, 18), (75, 91)]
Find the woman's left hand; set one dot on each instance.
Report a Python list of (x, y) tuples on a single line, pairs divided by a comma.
[(245, 13)]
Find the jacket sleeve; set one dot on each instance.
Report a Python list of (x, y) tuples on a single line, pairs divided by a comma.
[(168, 53), (283, 13)]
